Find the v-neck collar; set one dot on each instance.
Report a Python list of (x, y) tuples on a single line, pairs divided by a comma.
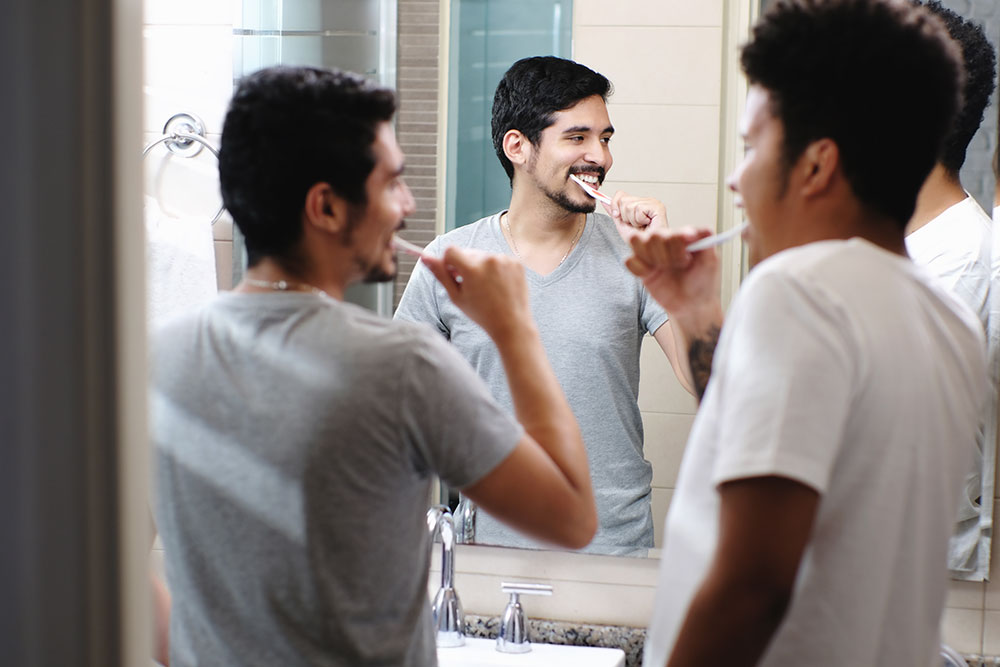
[(557, 273)]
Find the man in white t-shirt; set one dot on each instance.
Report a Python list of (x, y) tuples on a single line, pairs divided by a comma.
[(817, 493), (952, 236)]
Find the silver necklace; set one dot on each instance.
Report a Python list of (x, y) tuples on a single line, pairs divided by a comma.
[(286, 286), (513, 244)]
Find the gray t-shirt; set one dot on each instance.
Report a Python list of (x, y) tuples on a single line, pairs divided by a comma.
[(296, 438), (592, 315)]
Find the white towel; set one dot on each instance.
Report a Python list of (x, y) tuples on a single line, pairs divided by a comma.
[(180, 263)]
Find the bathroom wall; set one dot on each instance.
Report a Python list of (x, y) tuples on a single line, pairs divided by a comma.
[(188, 50)]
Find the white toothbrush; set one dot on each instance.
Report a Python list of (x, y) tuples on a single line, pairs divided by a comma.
[(407, 247), (590, 190), (717, 239)]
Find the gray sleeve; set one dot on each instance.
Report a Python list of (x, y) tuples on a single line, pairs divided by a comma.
[(419, 302), (459, 429), (653, 316)]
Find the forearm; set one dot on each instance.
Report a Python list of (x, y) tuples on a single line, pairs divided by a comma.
[(696, 337), (728, 625)]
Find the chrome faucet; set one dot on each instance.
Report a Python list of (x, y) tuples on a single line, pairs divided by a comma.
[(449, 621), (465, 521), (513, 636)]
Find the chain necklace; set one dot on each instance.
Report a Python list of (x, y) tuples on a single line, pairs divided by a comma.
[(286, 286), (505, 218)]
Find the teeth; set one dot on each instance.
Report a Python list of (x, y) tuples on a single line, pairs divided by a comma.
[(587, 178)]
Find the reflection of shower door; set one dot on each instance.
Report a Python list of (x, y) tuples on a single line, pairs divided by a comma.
[(487, 36), (359, 36)]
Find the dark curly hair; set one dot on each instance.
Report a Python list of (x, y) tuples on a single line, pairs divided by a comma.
[(532, 90), (880, 78), (288, 128), (980, 60)]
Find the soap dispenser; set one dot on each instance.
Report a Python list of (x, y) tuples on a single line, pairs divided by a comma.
[(513, 636)]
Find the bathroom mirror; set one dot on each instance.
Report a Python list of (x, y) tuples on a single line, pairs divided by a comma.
[(675, 125), (661, 148)]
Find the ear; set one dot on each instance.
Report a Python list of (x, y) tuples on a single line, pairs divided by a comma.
[(818, 166), (325, 209), (516, 147)]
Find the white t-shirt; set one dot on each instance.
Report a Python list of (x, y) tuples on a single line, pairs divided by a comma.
[(956, 247), (843, 367)]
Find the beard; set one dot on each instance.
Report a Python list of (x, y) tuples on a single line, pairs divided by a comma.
[(560, 198), (376, 274)]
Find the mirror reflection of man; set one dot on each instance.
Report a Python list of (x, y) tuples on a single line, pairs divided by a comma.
[(952, 236), (297, 436), (818, 489), (550, 120)]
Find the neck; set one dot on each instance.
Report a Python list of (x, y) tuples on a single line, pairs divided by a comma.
[(269, 275), (939, 192)]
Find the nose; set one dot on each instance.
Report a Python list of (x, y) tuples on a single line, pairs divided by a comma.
[(598, 153)]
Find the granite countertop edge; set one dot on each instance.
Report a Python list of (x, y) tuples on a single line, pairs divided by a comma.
[(628, 639)]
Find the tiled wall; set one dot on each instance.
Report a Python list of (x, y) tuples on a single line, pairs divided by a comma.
[(188, 53), (417, 82)]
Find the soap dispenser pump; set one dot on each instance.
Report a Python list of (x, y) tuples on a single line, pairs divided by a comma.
[(513, 635)]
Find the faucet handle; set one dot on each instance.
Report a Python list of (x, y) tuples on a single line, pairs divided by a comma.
[(513, 635)]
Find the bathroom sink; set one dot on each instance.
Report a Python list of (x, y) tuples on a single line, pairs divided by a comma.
[(482, 653)]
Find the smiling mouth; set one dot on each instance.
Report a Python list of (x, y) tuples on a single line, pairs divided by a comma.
[(589, 179)]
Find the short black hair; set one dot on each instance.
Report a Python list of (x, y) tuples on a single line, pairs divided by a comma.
[(881, 78), (979, 59), (532, 90), (287, 129)]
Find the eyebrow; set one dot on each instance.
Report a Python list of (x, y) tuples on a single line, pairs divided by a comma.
[(576, 129)]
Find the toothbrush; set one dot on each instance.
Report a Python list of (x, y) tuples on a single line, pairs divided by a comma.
[(599, 196), (407, 247), (717, 239)]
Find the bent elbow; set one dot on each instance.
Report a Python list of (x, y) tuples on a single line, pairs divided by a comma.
[(580, 530)]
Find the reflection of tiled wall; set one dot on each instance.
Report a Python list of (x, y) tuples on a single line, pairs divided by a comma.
[(665, 62), (416, 124), (188, 54)]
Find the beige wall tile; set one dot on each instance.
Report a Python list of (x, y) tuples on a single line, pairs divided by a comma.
[(659, 389), (224, 264), (666, 435), (965, 595), (962, 629), (661, 503), (676, 144), (993, 587), (688, 204), (185, 12), (645, 12), (991, 633), (655, 65)]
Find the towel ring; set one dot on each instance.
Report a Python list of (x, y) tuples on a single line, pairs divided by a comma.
[(184, 135)]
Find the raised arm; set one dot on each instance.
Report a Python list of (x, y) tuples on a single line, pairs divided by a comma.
[(686, 284), (543, 487)]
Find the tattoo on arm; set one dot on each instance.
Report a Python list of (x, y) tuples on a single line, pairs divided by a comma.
[(700, 355)]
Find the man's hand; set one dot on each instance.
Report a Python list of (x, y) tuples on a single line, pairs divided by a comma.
[(633, 214), (490, 289), (686, 284)]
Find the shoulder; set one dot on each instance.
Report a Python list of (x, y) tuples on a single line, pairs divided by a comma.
[(479, 234)]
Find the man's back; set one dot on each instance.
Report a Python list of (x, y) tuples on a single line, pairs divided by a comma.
[(295, 438), (843, 368)]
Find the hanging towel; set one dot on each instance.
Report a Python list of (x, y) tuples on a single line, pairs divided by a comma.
[(180, 263)]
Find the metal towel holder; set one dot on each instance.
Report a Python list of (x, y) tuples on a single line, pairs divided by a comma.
[(184, 136)]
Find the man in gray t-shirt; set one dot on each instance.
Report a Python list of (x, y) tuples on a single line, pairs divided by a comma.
[(296, 437), (550, 121)]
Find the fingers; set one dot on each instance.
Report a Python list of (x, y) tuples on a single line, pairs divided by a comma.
[(639, 212), (448, 279)]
